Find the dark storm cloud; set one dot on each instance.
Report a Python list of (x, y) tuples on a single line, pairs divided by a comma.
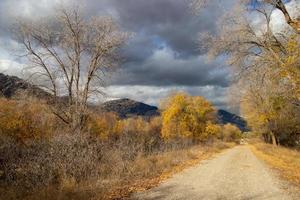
[(170, 20), (164, 50), (156, 24), (163, 68), (168, 24)]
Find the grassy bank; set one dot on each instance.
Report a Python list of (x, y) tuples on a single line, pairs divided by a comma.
[(286, 161)]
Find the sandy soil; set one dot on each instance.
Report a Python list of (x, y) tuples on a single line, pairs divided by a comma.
[(233, 174)]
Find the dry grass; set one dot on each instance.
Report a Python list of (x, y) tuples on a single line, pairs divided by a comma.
[(286, 161), (150, 171), (119, 177)]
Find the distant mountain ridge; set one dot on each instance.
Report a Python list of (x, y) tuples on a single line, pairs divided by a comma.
[(11, 85), (127, 108), (225, 117)]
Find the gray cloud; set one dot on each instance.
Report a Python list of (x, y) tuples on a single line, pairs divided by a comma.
[(163, 68), (162, 56)]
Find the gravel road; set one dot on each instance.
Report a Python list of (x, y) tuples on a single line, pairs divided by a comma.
[(233, 174)]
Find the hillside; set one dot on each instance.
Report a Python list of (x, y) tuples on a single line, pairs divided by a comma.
[(127, 107), (12, 85), (225, 117)]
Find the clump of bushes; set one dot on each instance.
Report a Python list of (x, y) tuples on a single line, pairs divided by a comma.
[(231, 133), (26, 119), (37, 151), (194, 118)]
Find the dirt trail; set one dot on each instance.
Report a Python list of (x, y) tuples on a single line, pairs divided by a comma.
[(233, 174)]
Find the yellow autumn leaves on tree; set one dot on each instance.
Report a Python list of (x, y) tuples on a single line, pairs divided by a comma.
[(185, 116), (290, 68), (270, 102)]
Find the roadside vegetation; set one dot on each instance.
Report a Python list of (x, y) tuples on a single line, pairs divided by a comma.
[(109, 157)]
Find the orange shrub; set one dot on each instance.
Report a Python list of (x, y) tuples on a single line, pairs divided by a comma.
[(24, 120), (103, 125), (212, 131), (231, 133)]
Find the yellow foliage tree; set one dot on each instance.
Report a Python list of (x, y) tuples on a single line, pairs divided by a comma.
[(271, 101), (185, 116), (290, 69)]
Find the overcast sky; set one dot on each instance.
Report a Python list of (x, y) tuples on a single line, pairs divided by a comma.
[(162, 57)]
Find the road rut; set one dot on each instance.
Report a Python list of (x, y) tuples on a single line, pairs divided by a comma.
[(233, 174)]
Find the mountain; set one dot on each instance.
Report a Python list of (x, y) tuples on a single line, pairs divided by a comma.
[(225, 117), (127, 108), (12, 85)]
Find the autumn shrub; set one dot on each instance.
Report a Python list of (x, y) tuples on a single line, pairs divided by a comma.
[(212, 131), (231, 133), (137, 135), (36, 150), (66, 158), (26, 119), (103, 125)]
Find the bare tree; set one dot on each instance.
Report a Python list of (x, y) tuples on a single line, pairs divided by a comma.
[(250, 46), (197, 5), (71, 54), (247, 45)]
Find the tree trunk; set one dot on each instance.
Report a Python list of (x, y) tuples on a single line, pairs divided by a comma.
[(266, 138), (273, 138), (278, 141)]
